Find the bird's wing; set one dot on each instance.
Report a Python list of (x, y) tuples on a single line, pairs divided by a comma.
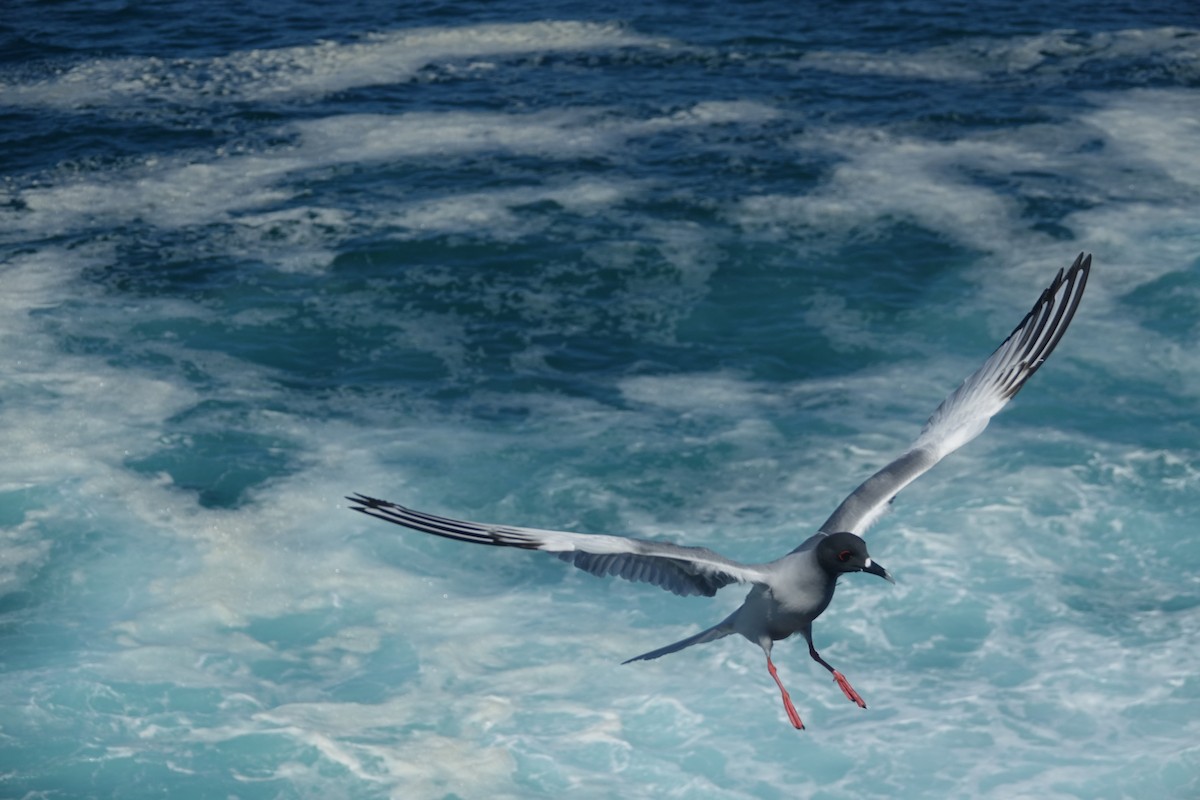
[(678, 569), (965, 413)]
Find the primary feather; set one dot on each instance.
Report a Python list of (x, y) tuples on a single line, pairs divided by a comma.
[(682, 570)]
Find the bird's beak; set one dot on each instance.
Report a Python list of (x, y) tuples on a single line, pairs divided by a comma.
[(875, 568)]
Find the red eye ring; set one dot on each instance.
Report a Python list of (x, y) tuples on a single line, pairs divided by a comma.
[(844, 556)]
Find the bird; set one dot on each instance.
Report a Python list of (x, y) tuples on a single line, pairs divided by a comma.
[(786, 595)]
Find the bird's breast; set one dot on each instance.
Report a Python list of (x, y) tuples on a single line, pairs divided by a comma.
[(804, 594)]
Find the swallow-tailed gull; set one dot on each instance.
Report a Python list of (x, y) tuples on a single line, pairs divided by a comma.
[(787, 594)]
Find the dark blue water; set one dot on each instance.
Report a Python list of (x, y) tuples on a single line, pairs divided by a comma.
[(679, 270)]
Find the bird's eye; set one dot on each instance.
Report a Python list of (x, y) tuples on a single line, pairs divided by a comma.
[(844, 555)]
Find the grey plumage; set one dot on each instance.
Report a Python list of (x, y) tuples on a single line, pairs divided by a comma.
[(682, 570), (787, 594)]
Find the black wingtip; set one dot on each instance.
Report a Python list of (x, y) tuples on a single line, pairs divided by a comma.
[(1084, 266), (363, 502), (1083, 262)]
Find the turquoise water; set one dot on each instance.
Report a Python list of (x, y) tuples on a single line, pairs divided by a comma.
[(688, 271)]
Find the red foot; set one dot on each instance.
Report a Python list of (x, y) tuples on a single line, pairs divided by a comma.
[(791, 712), (793, 717), (847, 689)]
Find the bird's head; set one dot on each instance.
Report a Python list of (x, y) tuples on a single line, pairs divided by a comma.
[(847, 552)]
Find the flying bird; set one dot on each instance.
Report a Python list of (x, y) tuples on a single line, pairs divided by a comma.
[(788, 594)]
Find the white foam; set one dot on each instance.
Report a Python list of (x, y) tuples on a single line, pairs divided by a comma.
[(883, 176), (929, 65), (249, 190), (23, 552), (556, 133), (72, 413), (1052, 54), (168, 192), (296, 239), (317, 69), (1146, 130), (495, 214)]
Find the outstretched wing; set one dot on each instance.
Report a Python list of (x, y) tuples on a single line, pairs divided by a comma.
[(965, 413), (682, 570)]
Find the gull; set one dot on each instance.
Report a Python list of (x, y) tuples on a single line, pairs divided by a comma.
[(788, 594)]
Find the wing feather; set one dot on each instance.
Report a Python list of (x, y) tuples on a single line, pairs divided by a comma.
[(965, 413), (676, 568)]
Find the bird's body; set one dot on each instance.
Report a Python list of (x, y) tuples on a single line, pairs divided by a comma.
[(799, 592), (788, 594)]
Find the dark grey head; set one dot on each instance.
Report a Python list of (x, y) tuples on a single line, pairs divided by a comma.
[(847, 552)]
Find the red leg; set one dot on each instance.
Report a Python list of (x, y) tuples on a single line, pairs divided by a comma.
[(842, 683), (787, 700), (847, 689)]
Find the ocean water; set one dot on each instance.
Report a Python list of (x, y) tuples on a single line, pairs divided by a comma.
[(678, 270)]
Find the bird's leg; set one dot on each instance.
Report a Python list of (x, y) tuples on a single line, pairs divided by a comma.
[(842, 683), (787, 700), (848, 690)]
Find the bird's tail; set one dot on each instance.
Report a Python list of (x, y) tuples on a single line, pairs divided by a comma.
[(718, 631)]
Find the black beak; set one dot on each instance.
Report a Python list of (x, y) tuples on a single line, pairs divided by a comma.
[(875, 568)]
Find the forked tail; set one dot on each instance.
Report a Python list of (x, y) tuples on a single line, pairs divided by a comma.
[(718, 631)]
